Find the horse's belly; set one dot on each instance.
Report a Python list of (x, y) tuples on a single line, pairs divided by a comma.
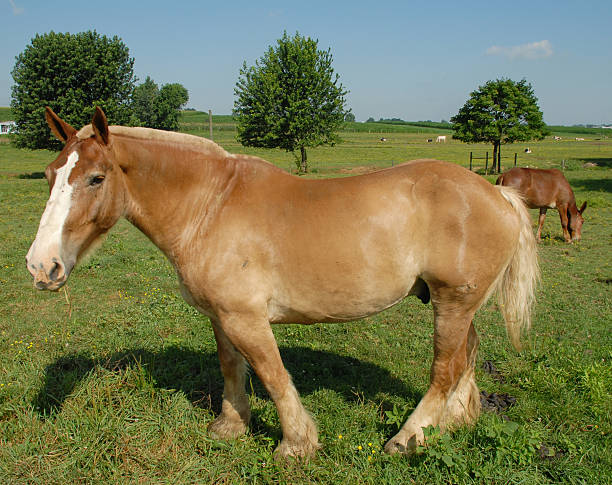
[(339, 305)]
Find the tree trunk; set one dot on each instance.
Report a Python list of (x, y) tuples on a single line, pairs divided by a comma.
[(499, 170), (304, 162)]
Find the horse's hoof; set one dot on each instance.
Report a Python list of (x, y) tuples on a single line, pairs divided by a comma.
[(226, 429), (293, 450), (394, 446)]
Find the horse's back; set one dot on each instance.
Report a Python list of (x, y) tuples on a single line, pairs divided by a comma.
[(540, 187)]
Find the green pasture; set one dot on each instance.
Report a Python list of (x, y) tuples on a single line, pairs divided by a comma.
[(115, 378)]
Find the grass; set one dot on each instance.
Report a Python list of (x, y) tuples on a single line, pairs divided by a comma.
[(115, 379)]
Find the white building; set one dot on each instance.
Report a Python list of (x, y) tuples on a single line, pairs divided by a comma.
[(7, 127)]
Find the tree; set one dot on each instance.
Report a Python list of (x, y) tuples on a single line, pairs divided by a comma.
[(501, 111), (290, 99), (172, 97), (71, 73), (158, 108), (143, 100), (349, 117)]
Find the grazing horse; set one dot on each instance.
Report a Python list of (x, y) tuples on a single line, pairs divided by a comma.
[(547, 189), (253, 245), (441, 138)]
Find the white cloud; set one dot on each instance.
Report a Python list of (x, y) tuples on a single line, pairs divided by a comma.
[(532, 50), (16, 10)]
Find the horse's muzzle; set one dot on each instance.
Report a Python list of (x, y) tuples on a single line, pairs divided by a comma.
[(51, 276)]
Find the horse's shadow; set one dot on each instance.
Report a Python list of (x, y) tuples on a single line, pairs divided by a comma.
[(198, 376), (32, 175)]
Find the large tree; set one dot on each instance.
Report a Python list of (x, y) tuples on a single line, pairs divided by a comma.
[(143, 99), (71, 73), (158, 108), (172, 97), (502, 111), (291, 99)]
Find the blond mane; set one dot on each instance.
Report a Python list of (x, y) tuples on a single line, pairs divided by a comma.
[(140, 133)]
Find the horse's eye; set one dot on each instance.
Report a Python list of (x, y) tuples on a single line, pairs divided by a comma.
[(96, 180)]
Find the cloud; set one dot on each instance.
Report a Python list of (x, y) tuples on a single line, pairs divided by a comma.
[(16, 10), (531, 51)]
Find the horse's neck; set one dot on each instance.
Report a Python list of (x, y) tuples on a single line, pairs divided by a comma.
[(572, 208), (172, 190), (570, 198)]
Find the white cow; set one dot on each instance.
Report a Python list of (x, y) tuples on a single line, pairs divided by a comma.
[(441, 138)]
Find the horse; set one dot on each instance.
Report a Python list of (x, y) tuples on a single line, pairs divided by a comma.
[(547, 189), (441, 138), (253, 245)]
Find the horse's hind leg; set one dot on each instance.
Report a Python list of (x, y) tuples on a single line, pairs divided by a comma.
[(235, 411), (463, 403), (452, 397)]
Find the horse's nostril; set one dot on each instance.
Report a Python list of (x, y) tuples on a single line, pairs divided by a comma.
[(40, 285), (56, 271)]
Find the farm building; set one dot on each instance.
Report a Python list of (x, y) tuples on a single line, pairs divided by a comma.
[(7, 127)]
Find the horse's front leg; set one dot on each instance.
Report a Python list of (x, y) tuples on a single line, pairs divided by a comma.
[(564, 222), (541, 222), (235, 411), (252, 336)]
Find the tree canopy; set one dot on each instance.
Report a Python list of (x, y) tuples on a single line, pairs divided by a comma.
[(71, 73), (143, 99), (290, 99), (158, 108), (499, 112)]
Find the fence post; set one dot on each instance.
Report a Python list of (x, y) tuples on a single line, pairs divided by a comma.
[(487, 163), (210, 123), (470, 161), (515, 159)]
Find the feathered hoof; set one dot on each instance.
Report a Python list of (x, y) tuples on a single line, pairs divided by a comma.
[(303, 450), (223, 428)]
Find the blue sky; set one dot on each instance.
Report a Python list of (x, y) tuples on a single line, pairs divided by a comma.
[(403, 59)]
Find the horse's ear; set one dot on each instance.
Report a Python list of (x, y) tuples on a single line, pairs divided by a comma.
[(100, 126), (582, 207), (62, 130)]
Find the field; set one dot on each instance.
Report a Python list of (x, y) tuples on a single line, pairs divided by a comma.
[(115, 378)]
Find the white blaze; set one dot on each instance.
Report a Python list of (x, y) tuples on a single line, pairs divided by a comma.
[(49, 236)]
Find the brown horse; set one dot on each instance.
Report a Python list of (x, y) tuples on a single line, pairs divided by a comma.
[(547, 189), (253, 245)]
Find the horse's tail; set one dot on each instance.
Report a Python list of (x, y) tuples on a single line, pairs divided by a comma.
[(516, 288)]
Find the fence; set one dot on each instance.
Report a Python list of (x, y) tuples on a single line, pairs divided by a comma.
[(486, 159)]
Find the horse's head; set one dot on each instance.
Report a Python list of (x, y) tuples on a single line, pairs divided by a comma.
[(86, 199), (575, 222)]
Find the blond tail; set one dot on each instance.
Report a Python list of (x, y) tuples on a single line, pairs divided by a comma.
[(517, 287)]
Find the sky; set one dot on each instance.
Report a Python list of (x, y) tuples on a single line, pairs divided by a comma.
[(412, 60)]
